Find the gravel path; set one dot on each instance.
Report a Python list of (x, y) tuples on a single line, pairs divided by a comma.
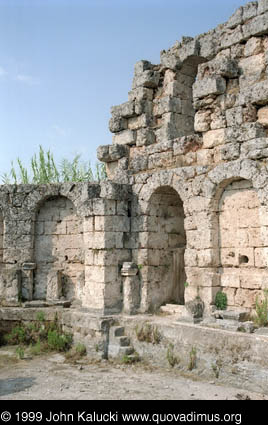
[(50, 377)]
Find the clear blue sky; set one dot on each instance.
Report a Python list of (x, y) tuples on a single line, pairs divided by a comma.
[(64, 63)]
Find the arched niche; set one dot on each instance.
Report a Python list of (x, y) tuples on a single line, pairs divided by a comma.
[(58, 251), (242, 244), (166, 246)]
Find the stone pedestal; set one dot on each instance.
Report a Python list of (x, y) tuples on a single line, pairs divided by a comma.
[(131, 288), (28, 269)]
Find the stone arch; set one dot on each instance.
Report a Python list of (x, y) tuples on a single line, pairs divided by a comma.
[(163, 244), (1, 241), (243, 242), (58, 250)]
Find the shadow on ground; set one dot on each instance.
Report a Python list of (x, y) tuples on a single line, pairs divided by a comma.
[(15, 385)]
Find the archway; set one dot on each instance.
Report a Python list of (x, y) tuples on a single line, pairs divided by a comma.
[(58, 251), (1, 240), (241, 244), (166, 246)]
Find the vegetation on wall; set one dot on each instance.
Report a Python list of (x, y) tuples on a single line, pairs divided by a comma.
[(44, 170)]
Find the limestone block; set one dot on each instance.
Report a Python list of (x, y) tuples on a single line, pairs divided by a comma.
[(214, 138), (190, 223), (256, 26), (209, 86), (252, 67), (258, 237), (144, 107), (112, 224), (246, 131), (250, 281), (221, 65), (230, 278), (178, 89), (254, 149), (228, 152), (230, 292), (148, 79), (117, 124), (246, 298), (125, 110), (188, 48), (218, 120), (154, 240), (234, 116), (263, 116), (262, 6), (141, 93), (231, 36), (138, 122), (190, 257), (208, 258), (167, 104), (139, 163), (261, 257), (250, 10), (115, 191), (104, 207), (160, 160), (99, 240), (228, 256), (253, 47), (202, 120), (236, 18), (209, 45), (126, 137), (169, 59), (256, 93), (248, 217), (145, 137)]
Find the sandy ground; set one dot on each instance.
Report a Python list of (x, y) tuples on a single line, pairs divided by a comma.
[(50, 377)]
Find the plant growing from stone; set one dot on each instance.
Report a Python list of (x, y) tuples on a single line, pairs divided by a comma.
[(221, 301), (261, 307), (43, 170)]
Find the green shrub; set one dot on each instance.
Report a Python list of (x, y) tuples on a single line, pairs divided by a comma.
[(20, 352), (171, 358), (81, 349), (221, 301), (261, 318), (57, 341)]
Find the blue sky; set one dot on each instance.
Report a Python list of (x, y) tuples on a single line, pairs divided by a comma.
[(64, 63)]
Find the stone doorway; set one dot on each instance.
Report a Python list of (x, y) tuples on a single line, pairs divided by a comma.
[(166, 246)]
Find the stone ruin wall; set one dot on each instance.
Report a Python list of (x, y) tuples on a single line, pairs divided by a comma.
[(197, 124), (64, 242), (185, 210)]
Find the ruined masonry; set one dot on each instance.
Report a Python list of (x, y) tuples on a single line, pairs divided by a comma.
[(184, 212)]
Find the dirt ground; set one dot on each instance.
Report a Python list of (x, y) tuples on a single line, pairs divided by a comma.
[(50, 377)]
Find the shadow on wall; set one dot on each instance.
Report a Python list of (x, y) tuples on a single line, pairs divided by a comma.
[(166, 241), (58, 251)]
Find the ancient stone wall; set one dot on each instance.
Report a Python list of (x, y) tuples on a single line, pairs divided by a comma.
[(64, 242), (197, 123), (186, 203)]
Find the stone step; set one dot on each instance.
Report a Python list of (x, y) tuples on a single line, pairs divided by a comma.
[(179, 310), (238, 316)]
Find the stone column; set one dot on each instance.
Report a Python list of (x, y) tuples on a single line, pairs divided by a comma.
[(131, 288)]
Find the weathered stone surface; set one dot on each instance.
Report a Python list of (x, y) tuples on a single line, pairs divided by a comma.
[(263, 116), (126, 137), (209, 86)]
